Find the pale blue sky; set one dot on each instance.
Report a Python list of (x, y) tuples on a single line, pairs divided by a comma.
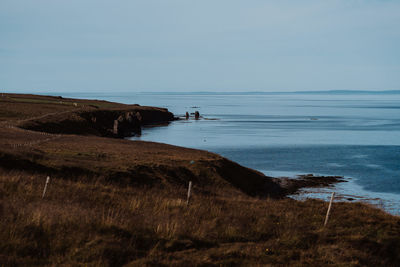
[(184, 45)]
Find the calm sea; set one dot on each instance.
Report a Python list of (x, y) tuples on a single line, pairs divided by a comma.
[(353, 135)]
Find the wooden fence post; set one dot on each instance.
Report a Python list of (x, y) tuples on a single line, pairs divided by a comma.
[(45, 186), (189, 193), (329, 209)]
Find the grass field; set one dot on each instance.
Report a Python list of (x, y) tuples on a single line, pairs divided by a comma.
[(96, 223)]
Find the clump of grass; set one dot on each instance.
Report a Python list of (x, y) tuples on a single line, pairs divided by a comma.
[(95, 223)]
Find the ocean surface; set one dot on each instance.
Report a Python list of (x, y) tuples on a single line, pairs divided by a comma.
[(352, 135)]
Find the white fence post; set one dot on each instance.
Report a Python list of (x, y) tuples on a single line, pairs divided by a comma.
[(329, 209), (189, 193), (45, 186)]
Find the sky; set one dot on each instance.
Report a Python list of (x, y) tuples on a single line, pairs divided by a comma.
[(187, 45)]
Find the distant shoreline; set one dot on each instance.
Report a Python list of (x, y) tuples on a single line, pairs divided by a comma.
[(328, 92)]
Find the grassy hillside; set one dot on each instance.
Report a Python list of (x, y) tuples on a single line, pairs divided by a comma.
[(96, 224)]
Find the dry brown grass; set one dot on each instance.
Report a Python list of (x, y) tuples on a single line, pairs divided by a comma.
[(97, 224), (19, 106)]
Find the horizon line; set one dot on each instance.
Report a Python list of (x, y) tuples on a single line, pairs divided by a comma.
[(339, 91)]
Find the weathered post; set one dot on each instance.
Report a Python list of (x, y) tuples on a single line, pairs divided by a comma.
[(187, 115), (329, 209), (45, 186), (189, 193), (196, 115)]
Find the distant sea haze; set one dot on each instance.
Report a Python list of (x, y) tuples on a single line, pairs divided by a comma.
[(348, 133)]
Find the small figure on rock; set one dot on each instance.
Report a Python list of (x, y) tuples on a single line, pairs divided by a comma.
[(187, 115), (196, 115)]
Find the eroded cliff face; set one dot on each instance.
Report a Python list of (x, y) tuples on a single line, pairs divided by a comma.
[(128, 124), (121, 122)]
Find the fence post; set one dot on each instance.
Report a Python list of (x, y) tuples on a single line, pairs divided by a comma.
[(189, 193), (45, 186), (329, 209)]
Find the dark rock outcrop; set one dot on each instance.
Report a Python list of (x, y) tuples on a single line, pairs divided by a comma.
[(128, 124), (119, 122)]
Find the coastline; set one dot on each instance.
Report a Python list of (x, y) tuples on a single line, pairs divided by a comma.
[(76, 142), (123, 202), (88, 119), (84, 117)]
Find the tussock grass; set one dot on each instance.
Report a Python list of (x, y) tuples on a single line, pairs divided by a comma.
[(94, 223)]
